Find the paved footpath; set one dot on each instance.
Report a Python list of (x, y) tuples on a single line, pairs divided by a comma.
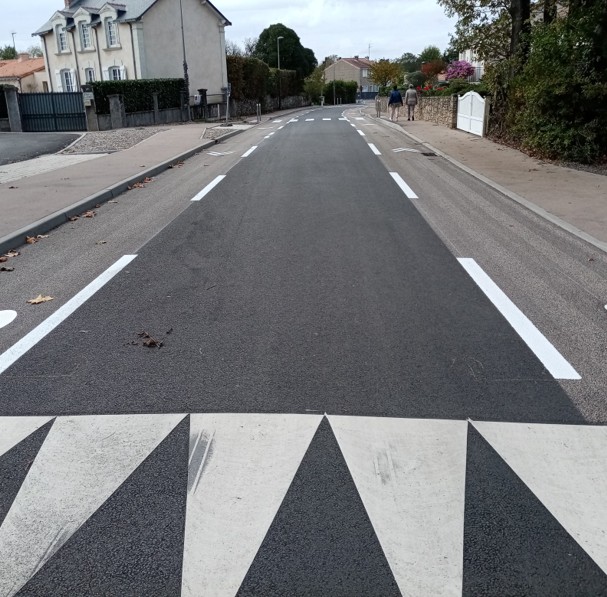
[(41, 200)]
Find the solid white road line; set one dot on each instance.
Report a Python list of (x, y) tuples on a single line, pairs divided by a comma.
[(565, 466), (50, 323), (309, 119), (360, 133), (411, 476), (326, 119), (374, 149), (208, 188), (79, 466), (7, 317), (405, 188), (550, 357), (15, 429), (247, 153), (241, 467)]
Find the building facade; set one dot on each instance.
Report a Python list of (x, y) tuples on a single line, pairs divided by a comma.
[(353, 69)]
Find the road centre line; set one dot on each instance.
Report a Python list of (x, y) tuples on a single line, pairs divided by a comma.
[(374, 149), (247, 153), (405, 188), (50, 323), (550, 357), (208, 188)]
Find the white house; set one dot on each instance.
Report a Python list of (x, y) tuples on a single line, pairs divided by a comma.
[(479, 65), (97, 40)]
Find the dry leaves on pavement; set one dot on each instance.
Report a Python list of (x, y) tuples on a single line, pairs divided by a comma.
[(40, 299)]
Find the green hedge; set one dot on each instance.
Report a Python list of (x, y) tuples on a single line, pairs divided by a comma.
[(138, 94), (344, 91)]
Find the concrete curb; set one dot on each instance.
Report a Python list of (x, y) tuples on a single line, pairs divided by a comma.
[(536, 209), (17, 239)]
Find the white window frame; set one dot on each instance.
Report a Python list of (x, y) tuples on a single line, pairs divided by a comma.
[(86, 39), (365, 72), (68, 80), (63, 44), (89, 75), (115, 73), (111, 33)]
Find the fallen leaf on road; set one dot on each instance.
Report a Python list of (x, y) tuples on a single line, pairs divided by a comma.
[(149, 341), (30, 240), (13, 187), (102, 242), (3, 259), (112, 201), (42, 236), (89, 214), (12, 254), (4, 268), (74, 218), (40, 299), (146, 180)]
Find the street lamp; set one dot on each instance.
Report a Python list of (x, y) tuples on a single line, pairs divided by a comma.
[(279, 77)]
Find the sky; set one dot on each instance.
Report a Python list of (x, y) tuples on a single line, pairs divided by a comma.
[(346, 28)]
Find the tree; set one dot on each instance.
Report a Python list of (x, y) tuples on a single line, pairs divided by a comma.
[(384, 73), (432, 68), (293, 56), (233, 49), (314, 84), (409, 62), (429, 54), (35, 51), (459, 69), (417, 78), (249, 46), (8, 53)]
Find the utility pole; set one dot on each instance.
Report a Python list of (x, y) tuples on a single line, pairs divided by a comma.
[(279, 77), (186, 78), (13, 34)]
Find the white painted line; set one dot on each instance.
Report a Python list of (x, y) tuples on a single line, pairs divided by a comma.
[(360, 133), (80, 465), (326, 119), (15, 429), (208, 188), (7, 317), (233, 495), (358, 118), (281, 127), (345, 119), (247, 153), (50, 323), (399, 149), (276, 121), (309, 119), (294, 120), (550, 357), (266, 137), (352, 124), (374, 149), (272, 133), (565, 466), (411, 476), (405, 188)]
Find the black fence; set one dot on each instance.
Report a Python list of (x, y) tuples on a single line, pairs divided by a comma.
[(50, 112)]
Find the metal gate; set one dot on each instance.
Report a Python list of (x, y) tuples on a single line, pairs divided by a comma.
[(472, 113), (50, 112)]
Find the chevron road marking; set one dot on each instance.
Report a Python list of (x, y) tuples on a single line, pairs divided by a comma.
[(7, 317), (15, 429)]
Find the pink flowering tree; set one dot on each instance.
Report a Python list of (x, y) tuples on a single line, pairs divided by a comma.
[(459, 69)]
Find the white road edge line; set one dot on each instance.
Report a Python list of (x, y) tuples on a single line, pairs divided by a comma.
[(374, 149), (50, 323), (208, 188), (360, 133), (550, 357), (404, 187), (246, 154)]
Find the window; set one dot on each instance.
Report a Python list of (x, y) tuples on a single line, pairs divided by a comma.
[(111, 33), (67, 80), (89, 74), (62, 44), (85, 36), (365, 72), (114, 73)]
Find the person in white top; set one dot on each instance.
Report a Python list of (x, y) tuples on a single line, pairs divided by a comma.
[(411, 102)]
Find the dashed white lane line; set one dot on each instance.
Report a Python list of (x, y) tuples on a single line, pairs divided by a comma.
[(326, 119), (208, 188), (247, 153), (405, 188), (309, 119), (360, 133), (48, 325), (374, 149), (550, 357)]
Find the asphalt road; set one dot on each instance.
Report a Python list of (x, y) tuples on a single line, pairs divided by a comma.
[(337, 408), (16, 147)]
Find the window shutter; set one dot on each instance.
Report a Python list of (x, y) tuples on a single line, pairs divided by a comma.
[(106, 74), (74, 79), (123, 73), (59, 81)]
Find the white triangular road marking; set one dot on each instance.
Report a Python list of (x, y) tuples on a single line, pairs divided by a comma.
[(80, 465), (7, 317), (565, 466), (241, 467), (15, 429), (411, 478)]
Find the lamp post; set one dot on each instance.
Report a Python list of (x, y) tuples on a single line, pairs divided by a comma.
[(186, 78), (279, 77)]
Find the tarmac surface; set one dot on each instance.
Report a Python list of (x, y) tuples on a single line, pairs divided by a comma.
[(34, 199), (16, 147)]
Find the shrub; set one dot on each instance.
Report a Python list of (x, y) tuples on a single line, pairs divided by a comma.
[(138, 94), (344, 90), (459, 69)]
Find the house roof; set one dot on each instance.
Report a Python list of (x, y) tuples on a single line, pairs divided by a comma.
[(358, 62), (129, 10), (19, 68)]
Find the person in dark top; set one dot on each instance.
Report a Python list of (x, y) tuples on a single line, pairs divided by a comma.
[(394, 103)]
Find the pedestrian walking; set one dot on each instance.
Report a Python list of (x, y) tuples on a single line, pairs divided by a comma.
[(411, 101), (394, 103), (377, 106)]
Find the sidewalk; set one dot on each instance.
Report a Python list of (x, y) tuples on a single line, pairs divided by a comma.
[(574, 200)]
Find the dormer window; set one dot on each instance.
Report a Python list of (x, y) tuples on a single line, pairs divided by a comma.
[(62, 43), (85, 36), (111, 33)]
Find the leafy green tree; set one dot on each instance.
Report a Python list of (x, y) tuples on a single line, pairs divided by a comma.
[(313, 85), (430, 53), (409, 62), (8, 53), (417, 78), (385, 72), (293, 56)]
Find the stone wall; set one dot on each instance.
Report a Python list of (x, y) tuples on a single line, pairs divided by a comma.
[(441, 110)]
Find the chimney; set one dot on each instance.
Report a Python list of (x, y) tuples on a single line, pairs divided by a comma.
[(356, 57), (68, 3), (23, 56)]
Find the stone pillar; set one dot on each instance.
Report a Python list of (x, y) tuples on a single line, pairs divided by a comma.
[(92, 122), (12, 105), (156, 108), (117, 111), (454, 99)]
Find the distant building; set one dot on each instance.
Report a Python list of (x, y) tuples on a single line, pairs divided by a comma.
[(353, 69), (25, 73), (478, 65)]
